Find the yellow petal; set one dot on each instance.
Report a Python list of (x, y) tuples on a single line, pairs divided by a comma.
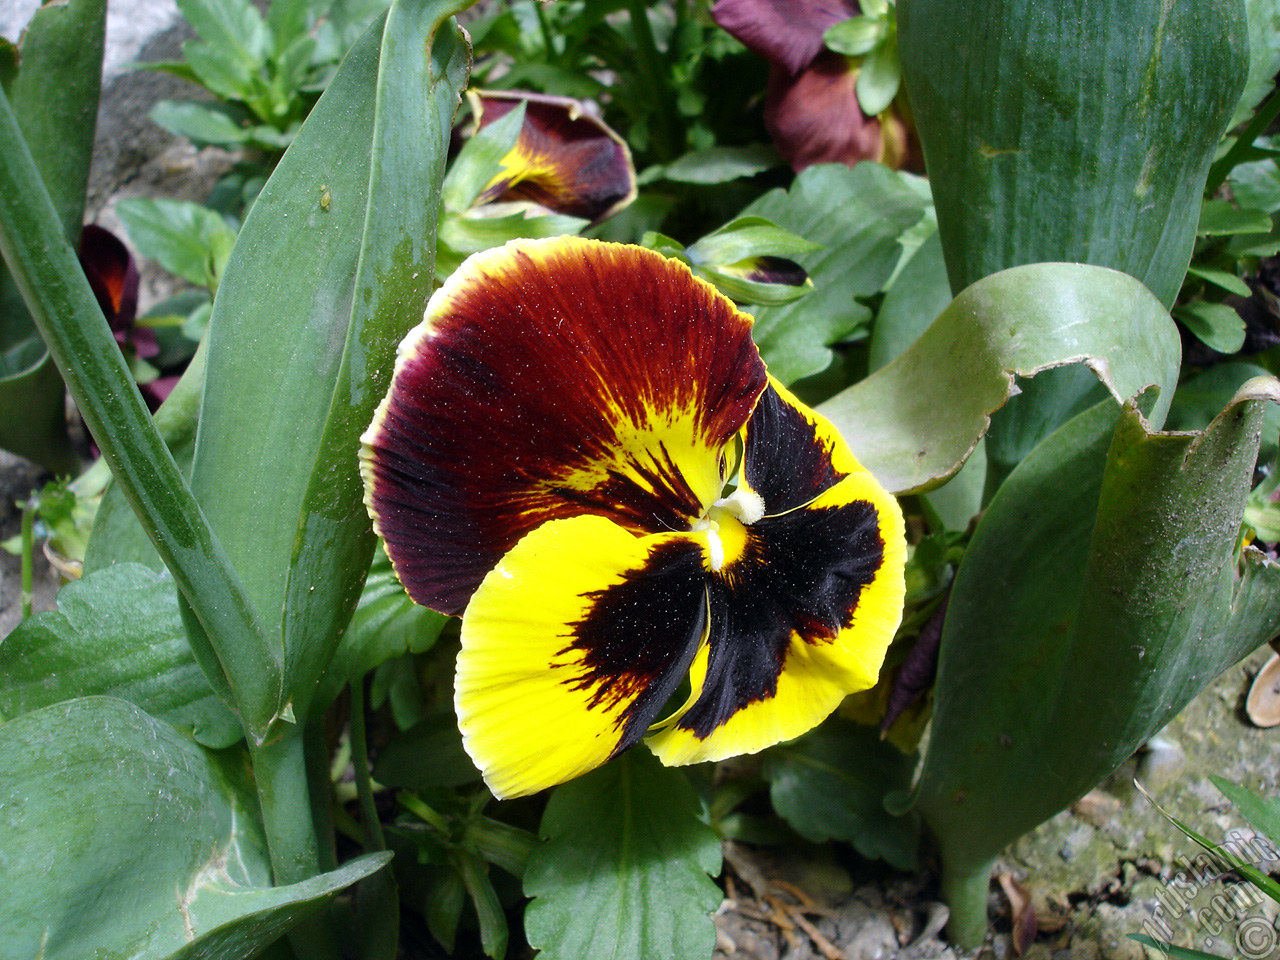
[(572, 646)]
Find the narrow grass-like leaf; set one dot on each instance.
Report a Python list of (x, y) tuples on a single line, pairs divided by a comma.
[(81, 343)]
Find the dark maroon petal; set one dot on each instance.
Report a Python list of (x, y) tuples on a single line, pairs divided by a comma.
[(553, 378), (815, 118), (787, 33), (566, 158), (112, 275)]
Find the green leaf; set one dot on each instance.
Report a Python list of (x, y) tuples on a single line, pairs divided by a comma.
[(917, 296), (855, 36), (120, 836), (1221, 278), (233, 26), (1264, 56), (831, 785), (623, 872), (427, 755), (1216, 324), (746, 237), (721, 164), (913, 422), (1058, 663), (115, 633), (199, 123), (879, 78), (1262, 814), (1016, 108), (489, 914), (1220, 218), (858, 215), (464, 234), (334, 264), (55, 97), (1200, 398), (1172, 949), (185, 238), (219, 70)]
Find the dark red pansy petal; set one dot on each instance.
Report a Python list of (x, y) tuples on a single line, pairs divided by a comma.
[(553, 378), (566, 158), (785, 32), (112, 275), (814, 117)]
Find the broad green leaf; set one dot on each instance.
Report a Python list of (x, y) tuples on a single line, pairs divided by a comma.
[(879, 77), (831, 785), (1032, 154), (427, 755), (55, 97), (120, 836), (623, 872), (199, 123), (855, 36), (491, 226), (1219, 218), (1200, 398), (913, 422), (333, 266), (1217, 325), (858, 215), (233, 26), (1100, 593), (1264, 56), (115, 633), (745, 237), (1221, 278), (386, 624), (917, 296), (722, 164), (183, 237)]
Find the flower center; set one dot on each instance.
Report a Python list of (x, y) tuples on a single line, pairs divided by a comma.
[(726, 522)]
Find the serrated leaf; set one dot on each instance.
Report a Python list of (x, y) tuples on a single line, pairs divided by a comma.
[(1215, 324), (858, 215), (831, 785), (120, 836), (185, 238), (117, 633), (623, 874)]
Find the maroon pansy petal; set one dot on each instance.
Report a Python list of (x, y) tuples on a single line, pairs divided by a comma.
[(787, 33), (566, 159), (553, 378), (814, 117), (112, 276)]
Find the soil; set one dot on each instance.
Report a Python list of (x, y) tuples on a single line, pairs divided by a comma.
[(1095, 873)]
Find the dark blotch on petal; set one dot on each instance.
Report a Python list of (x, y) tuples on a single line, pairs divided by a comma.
[(768, 269), (802, 572), (785, 461), (641, 635), (785, 32)]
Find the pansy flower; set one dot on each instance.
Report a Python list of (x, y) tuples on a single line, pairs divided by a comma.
[(647, 536), (566, 158)]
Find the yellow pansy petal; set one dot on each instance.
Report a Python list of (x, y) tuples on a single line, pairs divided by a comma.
[(800, 619), (572, 646)]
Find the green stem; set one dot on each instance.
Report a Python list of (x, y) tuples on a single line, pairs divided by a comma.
[(964, 889), (280, 771), (50, 279), (372, 829), (28, 548), (654, 72), (1219, 172)]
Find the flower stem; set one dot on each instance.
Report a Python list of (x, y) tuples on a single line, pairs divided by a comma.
[(655, 78), (28, 547), (964, 889)]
